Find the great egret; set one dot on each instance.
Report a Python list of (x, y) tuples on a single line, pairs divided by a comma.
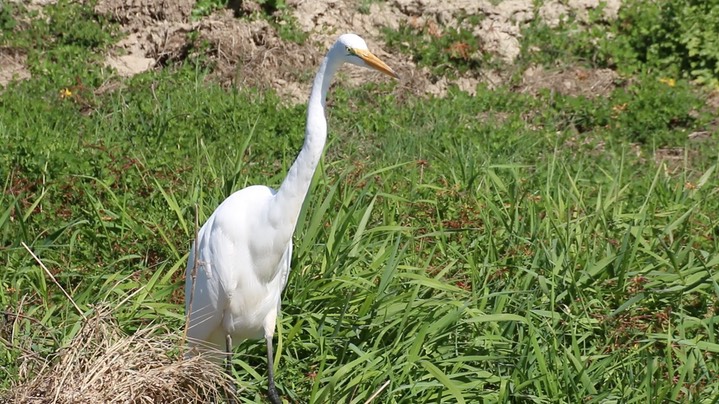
[(244, 248)]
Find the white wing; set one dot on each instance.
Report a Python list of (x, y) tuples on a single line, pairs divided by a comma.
[(240, 272)]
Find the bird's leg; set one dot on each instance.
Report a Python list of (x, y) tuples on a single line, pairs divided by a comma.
[(271, 389), (228, 369), (228, 354)]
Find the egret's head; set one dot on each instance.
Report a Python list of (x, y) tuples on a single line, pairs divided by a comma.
[(354, 50)]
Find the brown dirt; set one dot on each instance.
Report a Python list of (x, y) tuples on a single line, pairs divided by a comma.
[(12, 66), (674, 160), (156, 31), (34, 5), (713, 100), (248, 52), (574, 81)]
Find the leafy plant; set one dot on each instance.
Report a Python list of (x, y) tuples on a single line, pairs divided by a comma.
[(674, 38), (206, 7), (7, 21), (442, 50), (647, 111), (655, 112), (286, 25), (680, 37)]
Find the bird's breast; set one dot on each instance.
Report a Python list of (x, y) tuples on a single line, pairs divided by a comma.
[(247, 310)]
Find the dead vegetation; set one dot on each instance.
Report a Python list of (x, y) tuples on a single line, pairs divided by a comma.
[(102, 364)]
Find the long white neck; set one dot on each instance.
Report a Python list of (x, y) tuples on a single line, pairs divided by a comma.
[(287, 203)]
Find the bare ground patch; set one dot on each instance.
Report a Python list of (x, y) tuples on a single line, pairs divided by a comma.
[(250, 52), (155, 31), (498, 33), (572, 81), (34, 5), (13, 66)]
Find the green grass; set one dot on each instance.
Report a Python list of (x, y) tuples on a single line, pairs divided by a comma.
[(462, 249)]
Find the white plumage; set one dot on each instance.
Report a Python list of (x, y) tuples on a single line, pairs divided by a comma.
[(245, 247)]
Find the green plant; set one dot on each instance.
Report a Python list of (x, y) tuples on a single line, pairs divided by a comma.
[(679, 37), (674, 38), (654, 112), (647, 111), (206, 7), (444, 51), (7, 21), (286, 25)]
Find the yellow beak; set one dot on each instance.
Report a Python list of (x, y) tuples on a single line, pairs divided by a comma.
[(375, 63)]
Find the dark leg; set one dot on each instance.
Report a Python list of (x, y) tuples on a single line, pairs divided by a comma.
[(228, 369), (271, 390)]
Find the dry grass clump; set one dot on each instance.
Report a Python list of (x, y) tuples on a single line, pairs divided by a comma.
[(102, 364)]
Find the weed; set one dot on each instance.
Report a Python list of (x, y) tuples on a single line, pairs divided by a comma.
[(671, 38), (287, 29), (206, 7), (443, 50), (7, 20), (676, 37), (365, 5), (647, 111)]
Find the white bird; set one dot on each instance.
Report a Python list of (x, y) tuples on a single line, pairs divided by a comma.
[(244, 248)]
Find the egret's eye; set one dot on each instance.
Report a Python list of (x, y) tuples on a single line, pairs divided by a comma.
[(350, 51)]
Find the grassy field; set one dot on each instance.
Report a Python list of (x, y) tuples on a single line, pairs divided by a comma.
[(503, 247)]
